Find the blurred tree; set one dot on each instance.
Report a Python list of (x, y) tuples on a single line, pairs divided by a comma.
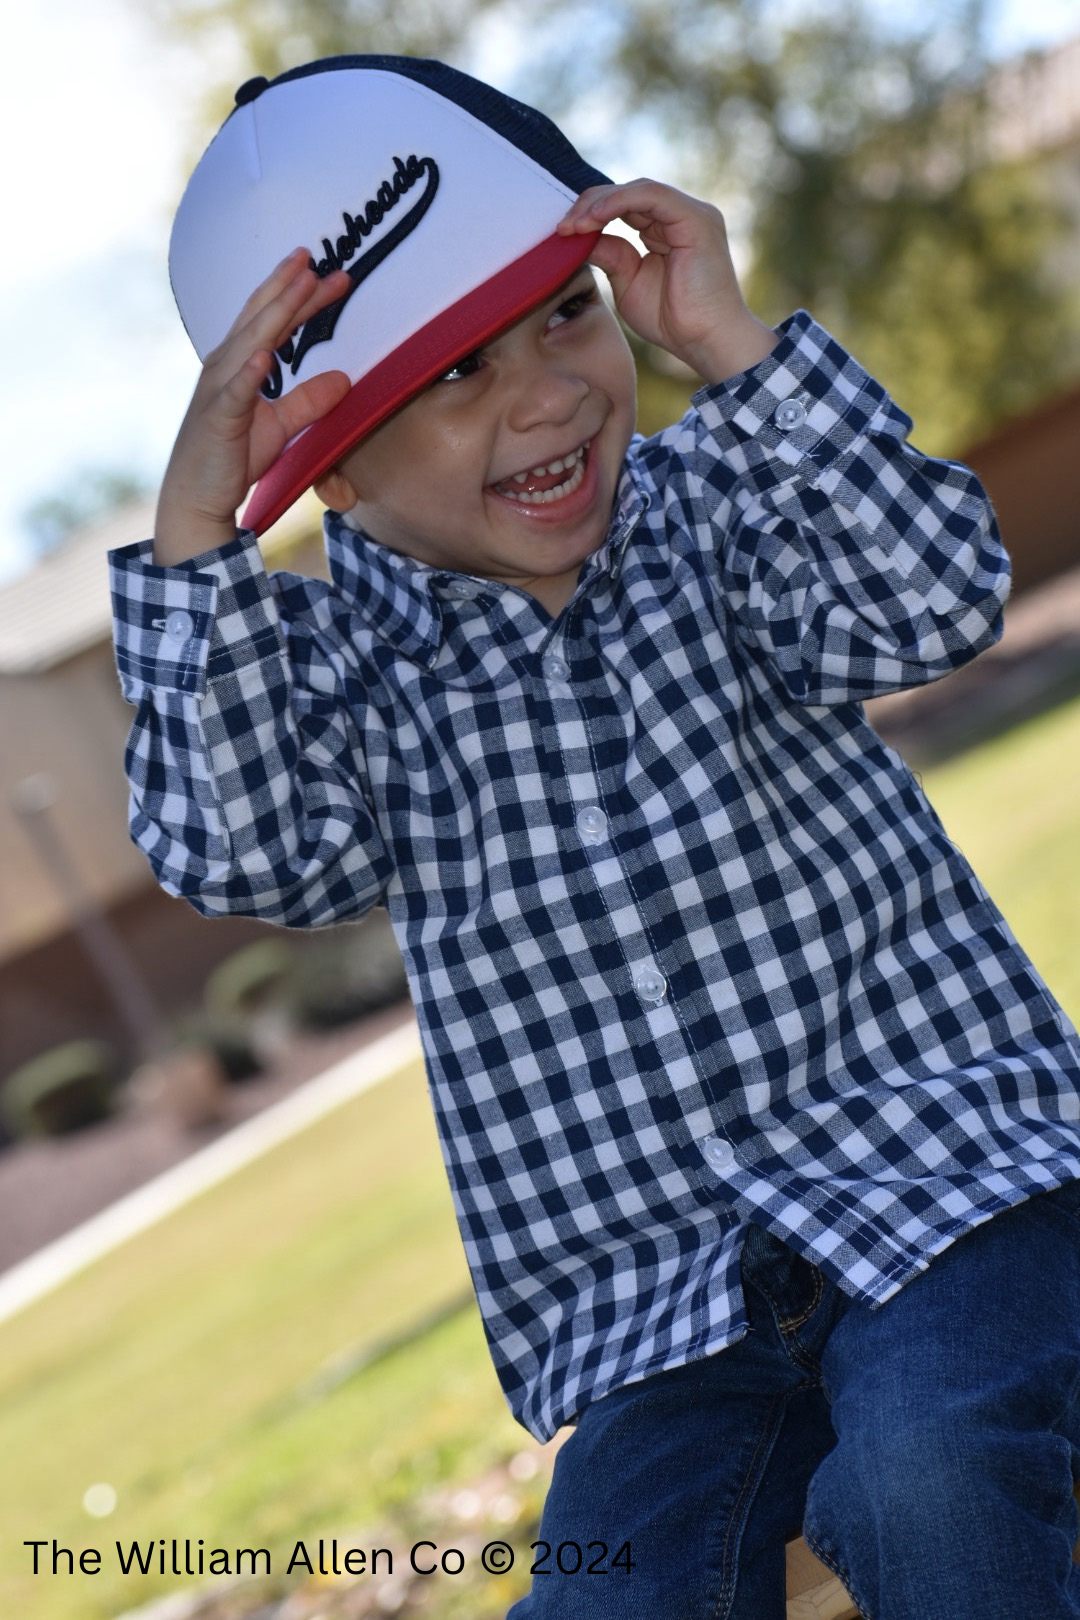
[(241, 38), (92, 493), (855, 154)]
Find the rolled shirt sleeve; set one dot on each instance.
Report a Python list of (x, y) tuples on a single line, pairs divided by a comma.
[(245, 789), (859, 564)]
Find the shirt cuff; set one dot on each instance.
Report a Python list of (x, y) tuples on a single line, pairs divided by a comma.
[(800, 410), (175, 628)]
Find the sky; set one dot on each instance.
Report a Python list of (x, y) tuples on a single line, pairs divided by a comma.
[(95, 122)]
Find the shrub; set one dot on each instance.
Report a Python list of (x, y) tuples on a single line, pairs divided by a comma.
[(249, 979), (228, 1039), (60, 1091), (353, 971)]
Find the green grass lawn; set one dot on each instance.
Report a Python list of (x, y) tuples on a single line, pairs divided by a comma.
[(184, 1369), (1013, 807)]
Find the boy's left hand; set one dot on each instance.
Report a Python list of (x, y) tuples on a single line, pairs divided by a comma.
[(682, 294)]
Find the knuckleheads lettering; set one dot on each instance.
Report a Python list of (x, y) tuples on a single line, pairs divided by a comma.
[(341, 254), (389, 193)]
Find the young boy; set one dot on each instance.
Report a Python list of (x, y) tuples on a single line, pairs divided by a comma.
[(733, 1059)]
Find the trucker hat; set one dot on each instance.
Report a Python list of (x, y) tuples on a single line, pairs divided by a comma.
[(437, 194)]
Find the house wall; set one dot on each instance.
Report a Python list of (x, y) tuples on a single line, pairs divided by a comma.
[(69, 723), (1031, 469)]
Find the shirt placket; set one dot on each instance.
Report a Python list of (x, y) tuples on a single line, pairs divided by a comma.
[(702, 1144)]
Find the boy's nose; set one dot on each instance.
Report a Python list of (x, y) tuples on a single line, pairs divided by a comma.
[(544, 392)]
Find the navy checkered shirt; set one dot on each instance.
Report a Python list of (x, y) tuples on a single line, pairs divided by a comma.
[(689, 947)]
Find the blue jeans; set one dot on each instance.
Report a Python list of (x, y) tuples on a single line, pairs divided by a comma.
[(928, 1449)]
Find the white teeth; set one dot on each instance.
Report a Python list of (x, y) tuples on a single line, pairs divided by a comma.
[(574, 464)]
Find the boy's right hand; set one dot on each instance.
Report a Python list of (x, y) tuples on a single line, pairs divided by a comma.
[(231, 434)]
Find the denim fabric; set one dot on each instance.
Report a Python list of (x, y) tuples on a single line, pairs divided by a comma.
[(928, 1447)]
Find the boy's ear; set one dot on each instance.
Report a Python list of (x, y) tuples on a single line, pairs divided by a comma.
[(335, 490)]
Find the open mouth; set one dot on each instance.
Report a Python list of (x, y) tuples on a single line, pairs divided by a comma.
[(541, 486)]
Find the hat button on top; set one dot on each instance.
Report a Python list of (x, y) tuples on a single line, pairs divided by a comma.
[(250, 89)]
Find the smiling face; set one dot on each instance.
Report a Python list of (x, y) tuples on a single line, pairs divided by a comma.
[(507, 466)]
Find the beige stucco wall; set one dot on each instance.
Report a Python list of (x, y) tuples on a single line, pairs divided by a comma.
[(70, 723)]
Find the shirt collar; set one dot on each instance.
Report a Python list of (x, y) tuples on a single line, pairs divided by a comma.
[(631, 504), (399, 597), (393, 593)]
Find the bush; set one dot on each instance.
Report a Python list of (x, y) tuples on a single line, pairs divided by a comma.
[(60, 1091), (353, 971), (229, 1040), (249, 979)]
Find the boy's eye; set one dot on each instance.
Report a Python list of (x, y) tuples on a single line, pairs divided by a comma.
[(568, 310), (467, 366), (575, 305)]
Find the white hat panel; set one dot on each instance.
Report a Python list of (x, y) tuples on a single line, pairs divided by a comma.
[(289, 166)]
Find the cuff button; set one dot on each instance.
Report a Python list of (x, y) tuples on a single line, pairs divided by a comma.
[(179, 626)]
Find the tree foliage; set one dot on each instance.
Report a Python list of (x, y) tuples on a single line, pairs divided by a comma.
[(90, 494), (238, 39)]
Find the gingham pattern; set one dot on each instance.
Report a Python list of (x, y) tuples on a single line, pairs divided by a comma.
[(754, 980)]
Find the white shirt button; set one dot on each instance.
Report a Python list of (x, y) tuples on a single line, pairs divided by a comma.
[(179, 626), (650, 985), (461, 590), (592, 824), (789, 414), (556, 668), (719, 1155)]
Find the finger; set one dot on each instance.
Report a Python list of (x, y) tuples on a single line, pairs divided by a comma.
[(579, 216), (311, 400), (619, 260), (275, 425), (237, 397), (669, 217), (270, 325), (610, 202), (327, 290), (275, 283), (288, 296)]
